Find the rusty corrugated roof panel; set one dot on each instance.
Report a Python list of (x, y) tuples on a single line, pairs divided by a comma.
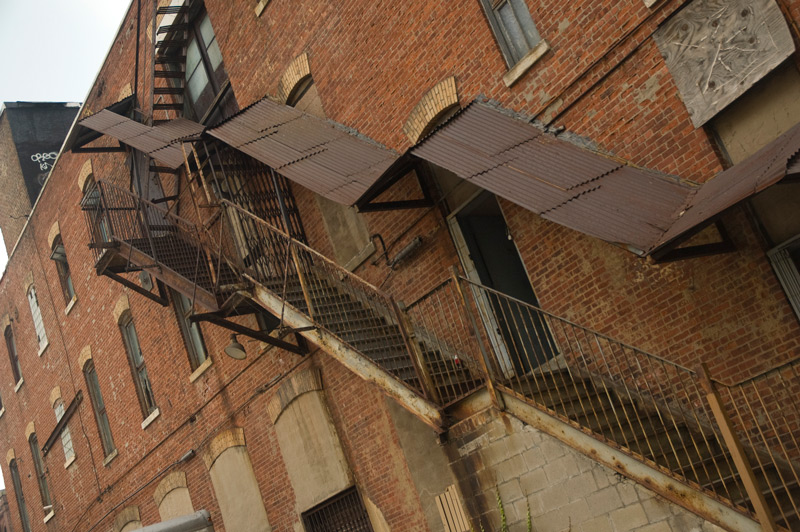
[(565, 183), (762, 169), (589, 192), (308, 150), (155, 141)]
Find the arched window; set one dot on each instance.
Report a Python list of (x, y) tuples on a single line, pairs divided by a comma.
[(92, 206), (141, 380), (66, 436), (190, 330), (59, 256), (20, 496), (11, 346), (38, 322), (99, 407), (41, 475)]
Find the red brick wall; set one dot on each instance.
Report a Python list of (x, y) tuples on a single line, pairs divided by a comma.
[(371, 63)]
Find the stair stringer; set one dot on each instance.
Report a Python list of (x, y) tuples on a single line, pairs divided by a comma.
[(359, 364), (671, 489)]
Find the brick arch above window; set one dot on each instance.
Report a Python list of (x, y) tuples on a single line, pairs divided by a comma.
[(222, 442), (173, 481), (30, 429), (83, 175), (55, 396), (121, 307), (55, 232), (297, 71), (27, 282), (433, 105), (129, 515), (10, 456), (301, 382), (84, 356)]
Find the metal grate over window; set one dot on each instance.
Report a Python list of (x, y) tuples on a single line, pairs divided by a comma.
[(343, 512)]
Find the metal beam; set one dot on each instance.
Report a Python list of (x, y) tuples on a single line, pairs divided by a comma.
[(136, 288), (211, 317), (73, 406)]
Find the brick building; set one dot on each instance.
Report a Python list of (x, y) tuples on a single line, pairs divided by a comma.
[(419, 266)]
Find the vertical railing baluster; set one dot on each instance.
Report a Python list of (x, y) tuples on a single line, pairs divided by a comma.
[(735, 447)]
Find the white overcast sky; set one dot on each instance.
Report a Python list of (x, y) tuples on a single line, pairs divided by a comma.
[(51, 50)]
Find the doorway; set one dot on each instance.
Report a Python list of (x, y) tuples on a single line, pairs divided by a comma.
[(520, 336)]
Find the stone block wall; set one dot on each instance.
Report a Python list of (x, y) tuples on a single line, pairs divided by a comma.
[(566, 491)]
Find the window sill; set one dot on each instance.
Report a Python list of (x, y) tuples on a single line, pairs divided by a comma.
[(43, 348), (110, 457), (200, 369), (19, 385), (69, 462), (49, 516), (149, 419), (524, 64), (2, 411), (263, 3), (71, 304)]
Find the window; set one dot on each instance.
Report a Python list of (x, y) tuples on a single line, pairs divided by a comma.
[(92, 205), (99, 407), (209, 96), (66, 437), (513, 28), (192, 336), (785, 260), (17, 483), (344, 511), (59, 256), (36, 314), (140, 379), (11, 345), (38, 465)]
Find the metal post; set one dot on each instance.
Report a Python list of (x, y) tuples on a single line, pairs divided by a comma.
[(497, 401), (417, 356), (737, 452), (303, 281)]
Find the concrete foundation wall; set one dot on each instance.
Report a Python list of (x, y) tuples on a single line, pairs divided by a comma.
[(565, 490)]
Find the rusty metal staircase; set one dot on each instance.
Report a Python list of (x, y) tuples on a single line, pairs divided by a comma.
[(433, 353), (170, 40)]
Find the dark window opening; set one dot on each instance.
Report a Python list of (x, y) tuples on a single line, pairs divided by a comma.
[(41, 475), (141, 380), (59, 256), (11, 345), (192, 335), (99, 407), (344, 512), (17, 483)]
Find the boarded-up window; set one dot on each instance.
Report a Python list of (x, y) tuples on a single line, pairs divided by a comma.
[(451, 512)]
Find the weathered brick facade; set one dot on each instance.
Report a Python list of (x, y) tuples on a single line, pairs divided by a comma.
[(388, 71)]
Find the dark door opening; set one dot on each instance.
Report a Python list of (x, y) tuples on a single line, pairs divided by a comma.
[(498, 265)]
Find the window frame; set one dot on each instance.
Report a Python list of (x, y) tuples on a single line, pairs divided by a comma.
[(41, 474), (59, 256), (141, 380), (36, 310), (13, 354), (22, 507), (99, 408), (787, 270), (195, 349), (501, 33), (66, 436)]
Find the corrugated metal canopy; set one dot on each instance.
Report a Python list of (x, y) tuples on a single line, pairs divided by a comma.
[(158, 141), (562, 182), (589, 192), (315, 153), (766, 167)]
